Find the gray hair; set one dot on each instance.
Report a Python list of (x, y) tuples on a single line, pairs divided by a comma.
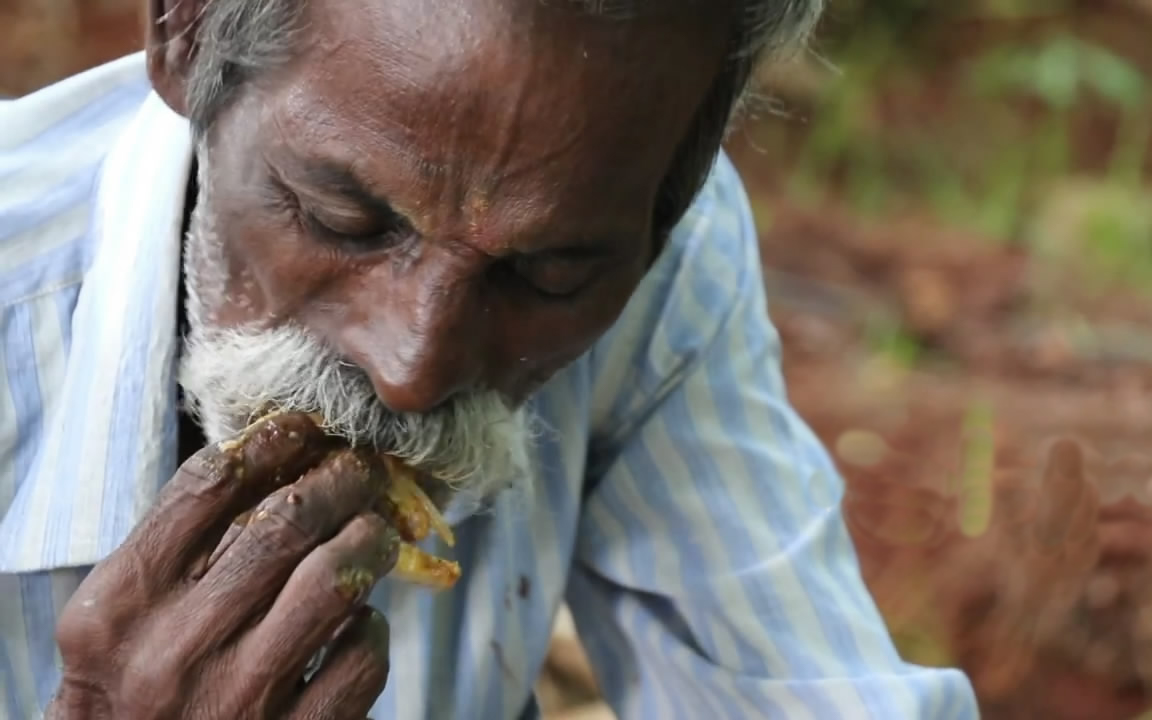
[(239, 39)]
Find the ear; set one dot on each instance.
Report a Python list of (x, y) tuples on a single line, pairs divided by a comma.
[(170, 45)]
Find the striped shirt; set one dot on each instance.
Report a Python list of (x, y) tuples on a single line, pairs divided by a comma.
[(685, 513)]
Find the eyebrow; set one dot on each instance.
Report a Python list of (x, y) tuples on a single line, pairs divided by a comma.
[(333, 176), (330, 176)]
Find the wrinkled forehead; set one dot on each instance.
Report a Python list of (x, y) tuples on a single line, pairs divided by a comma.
[(513, 83), (412, 32)]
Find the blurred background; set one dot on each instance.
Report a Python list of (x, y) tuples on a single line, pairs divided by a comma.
[(957, 236)]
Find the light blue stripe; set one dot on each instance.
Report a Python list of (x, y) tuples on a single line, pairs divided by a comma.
[(729, 394), (944, 706), (642, 464), (735, 425), (40, 628), (642, 555), (121, 468), (58, 521), (71, 192), (487, 679), (58, 529), (658, 695), (60, 266), (678, 641), (170, 434), (74, 128), (12, 702), (760, 596), (23, 386), (594, 603), (385, 705), (560, 501), (65, 301), (470, 661)]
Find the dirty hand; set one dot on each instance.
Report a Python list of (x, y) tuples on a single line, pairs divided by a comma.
[(197, 617)]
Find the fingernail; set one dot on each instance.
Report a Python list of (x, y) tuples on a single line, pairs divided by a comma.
[(354, 583), (346, 461), (389, 549)]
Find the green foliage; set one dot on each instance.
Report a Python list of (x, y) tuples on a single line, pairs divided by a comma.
[(1063, 71), (979, 168), (997, 151), (1117, 238), (885, 338), (1100, 228), (1059, 70)]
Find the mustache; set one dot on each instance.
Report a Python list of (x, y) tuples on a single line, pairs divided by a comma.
[(477, 441)]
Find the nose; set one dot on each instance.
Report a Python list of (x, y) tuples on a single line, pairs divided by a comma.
[(422, 343), (421, 381)]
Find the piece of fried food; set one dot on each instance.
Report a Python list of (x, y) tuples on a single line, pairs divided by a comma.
[(415, 516), (409, 507)]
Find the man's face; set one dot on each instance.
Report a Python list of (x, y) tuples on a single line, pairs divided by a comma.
[(452, 201)]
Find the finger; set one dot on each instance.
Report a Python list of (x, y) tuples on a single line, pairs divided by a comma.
[(209, 559), (1065, 500), (321, 594), (230, 537), (279, 534), (214, 486), (353, 675)]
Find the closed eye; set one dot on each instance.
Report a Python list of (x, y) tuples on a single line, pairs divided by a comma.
[(357, 233), (553, 277), (345, 223), (351, 220)]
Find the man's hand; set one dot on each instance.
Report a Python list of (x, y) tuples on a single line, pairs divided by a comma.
[(198, 617)]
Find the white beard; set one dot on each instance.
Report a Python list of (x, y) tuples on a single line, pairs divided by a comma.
[(476, 442)]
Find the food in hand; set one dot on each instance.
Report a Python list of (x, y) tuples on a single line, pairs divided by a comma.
[(406, 505), (409, 507), (414, 516)]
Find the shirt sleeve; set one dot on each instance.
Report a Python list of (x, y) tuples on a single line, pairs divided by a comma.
[(714, 576)]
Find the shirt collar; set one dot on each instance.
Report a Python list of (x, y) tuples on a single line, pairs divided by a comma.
[(110, 442)]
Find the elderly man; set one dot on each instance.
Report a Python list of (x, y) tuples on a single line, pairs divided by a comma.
[(496, 239)]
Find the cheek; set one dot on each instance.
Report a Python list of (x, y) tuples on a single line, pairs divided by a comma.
[(274, 271), (552, 336)]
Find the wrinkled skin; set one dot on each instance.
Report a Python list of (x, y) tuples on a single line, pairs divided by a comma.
[(1043, 610), (451, 199), (193, 606)]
